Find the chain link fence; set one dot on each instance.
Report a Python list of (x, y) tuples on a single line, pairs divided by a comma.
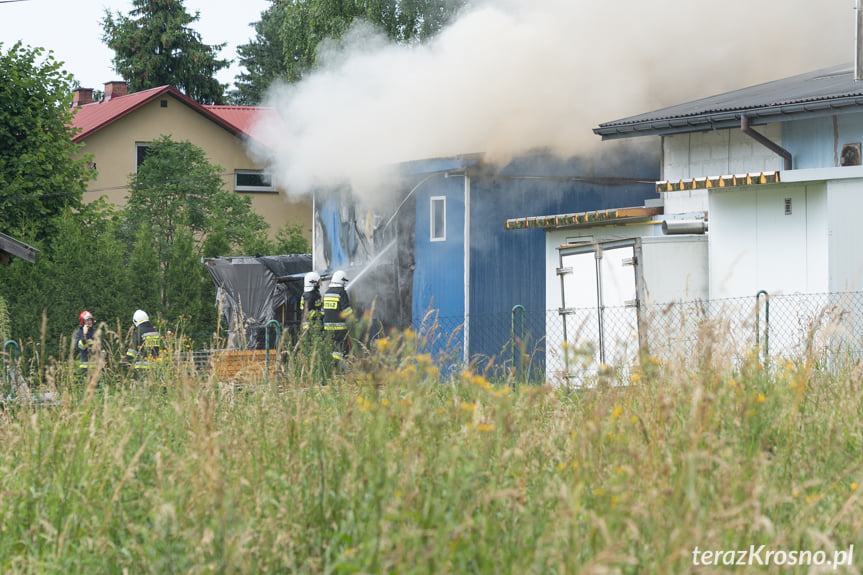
[(568, 347)]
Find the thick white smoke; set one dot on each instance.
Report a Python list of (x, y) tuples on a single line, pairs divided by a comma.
[(514, 75)]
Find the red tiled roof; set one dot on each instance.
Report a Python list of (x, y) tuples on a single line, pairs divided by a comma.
[(91, 118), (243, 117), (246, 117)]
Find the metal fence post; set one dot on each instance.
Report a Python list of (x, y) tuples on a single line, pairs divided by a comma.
[(518, 366), (7, 376), (267, 343), (766, 323)]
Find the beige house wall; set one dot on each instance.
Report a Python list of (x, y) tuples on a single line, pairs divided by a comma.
[(113, 148)]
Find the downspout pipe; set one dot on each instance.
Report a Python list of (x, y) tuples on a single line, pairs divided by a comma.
[(466, 356), (767, 143), (858, 41)]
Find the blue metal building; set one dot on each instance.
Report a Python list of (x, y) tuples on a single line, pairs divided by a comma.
[(441, 256)]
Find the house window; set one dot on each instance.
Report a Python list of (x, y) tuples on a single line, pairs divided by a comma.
[(253, 181), (438, 218), (141, 151)]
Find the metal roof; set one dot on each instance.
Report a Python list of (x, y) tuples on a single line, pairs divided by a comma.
[(822, 92)]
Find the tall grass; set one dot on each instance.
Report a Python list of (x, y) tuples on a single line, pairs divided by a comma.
[(394, 468)]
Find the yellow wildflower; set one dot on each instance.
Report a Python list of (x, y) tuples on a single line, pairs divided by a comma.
[(384, 344)]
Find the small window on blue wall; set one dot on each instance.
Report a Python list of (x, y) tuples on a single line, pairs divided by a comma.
[(438, 218)]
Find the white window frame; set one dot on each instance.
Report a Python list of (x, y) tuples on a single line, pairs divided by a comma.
[(441, 201), (267, 189)]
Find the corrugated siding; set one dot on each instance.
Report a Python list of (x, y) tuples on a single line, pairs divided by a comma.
[(508, 267), (439, 274)]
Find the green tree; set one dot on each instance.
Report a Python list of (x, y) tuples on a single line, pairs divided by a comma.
[(39, 172), (154, 46), (82, 267), (262, 58), (290, 240), (145, 278), (177, 190), (4, 321), (26, 288), (288, 35), (190, 294)]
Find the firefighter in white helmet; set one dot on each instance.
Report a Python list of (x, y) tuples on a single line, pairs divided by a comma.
[(146, 343), (337, 314), (311, 302)]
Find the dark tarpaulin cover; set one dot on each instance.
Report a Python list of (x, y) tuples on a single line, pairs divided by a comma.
[(249, 295)]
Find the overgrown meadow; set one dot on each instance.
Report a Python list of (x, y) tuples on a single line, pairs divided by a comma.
[(393, 467)]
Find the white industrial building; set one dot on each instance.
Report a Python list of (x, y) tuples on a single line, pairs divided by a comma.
[(775, 171)]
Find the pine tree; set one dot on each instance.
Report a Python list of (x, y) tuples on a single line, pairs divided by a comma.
[(154, 46), (145, 279), (189, 292)]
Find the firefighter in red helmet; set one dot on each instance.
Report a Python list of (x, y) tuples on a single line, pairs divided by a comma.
[(85, 339)]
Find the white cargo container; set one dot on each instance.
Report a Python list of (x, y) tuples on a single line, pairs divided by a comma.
[(604, 293)]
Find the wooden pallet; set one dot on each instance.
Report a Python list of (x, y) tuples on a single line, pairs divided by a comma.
[(244, 365)]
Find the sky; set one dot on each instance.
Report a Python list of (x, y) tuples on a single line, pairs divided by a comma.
[(73, 30)]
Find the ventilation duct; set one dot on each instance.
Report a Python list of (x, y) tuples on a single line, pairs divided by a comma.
[(674, 227)]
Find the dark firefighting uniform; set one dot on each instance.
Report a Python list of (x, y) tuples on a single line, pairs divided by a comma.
[(337, 310)]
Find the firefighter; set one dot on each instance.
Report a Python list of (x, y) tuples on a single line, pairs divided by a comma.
[(84, 340), (337, 313), (311, 302), (146, 342)]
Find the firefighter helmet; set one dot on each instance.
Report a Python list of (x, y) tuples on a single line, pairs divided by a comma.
[(340, 279), (140, 317), (84, 315), (313, 279)]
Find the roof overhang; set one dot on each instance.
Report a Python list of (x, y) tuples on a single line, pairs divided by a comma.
[(728, 181), (144, 98), (726, 120), (619, 216), (11, 247)]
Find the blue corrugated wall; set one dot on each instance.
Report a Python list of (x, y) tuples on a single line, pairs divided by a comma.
[(438, 279), (508, 267)]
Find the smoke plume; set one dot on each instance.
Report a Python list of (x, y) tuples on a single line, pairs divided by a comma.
[(514, 75)]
